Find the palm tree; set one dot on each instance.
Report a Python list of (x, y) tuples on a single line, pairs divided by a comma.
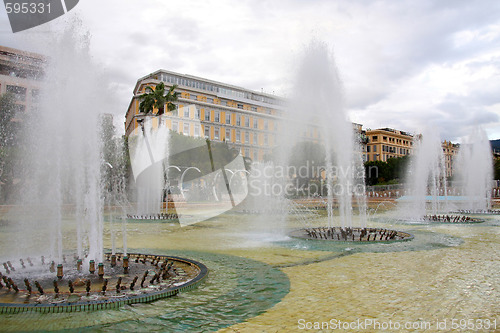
[(156, 98)]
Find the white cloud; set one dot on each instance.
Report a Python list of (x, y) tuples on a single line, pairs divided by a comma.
[(403, 63)]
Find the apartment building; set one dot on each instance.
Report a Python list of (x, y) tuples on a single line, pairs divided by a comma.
[(384, 143), (21, 73), (249, 120), (244, 119), (450, 151)]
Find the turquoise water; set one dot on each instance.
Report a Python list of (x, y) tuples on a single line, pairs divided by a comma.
[(432, 198)]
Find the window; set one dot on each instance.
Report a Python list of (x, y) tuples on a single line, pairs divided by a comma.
[(247, 152), (198, 113), (368, 149), (374, 138), (247, 137), (18, 92), (228, 118), (19, 108), (266, 125), (255, 154), (374, 149), (266, 139), (196, 130), (216, 133), (240, 106), (247, 121), (255, 124), (207, 132), (186, 129), (186, 112), (216, 116), (207, 115), (255, 138), (238, 120), (238, 136), (228, 134), (175, 126)]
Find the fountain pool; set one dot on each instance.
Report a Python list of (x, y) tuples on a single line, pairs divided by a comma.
[(257, 285)]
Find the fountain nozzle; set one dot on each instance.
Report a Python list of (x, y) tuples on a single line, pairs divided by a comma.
[(125, 264), (59, 271), (100, 269)]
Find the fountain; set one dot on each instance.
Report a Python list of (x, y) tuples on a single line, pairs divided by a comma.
[(318, 113), (426, 183), (426, 177), (149, 157), (60, 216), (475, 172)]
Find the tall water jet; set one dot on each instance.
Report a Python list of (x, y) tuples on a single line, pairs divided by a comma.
[(69, 175), (426, 176), (318, 114), (63, 158), (149, 156), (475, 171)]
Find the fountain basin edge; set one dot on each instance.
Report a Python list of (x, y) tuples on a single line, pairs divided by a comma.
[(116, 302)]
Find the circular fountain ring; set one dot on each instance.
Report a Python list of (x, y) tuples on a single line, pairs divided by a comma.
[(148, 278), (360, 235), (453, 219)]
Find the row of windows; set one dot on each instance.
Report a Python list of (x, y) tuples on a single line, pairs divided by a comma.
[(197, 84), (389, 149), (393, 140), (222, 102), (448, 151), (186, 113), (20, 93), (228, 103), (237, 138), (384, 157), (217, 133)]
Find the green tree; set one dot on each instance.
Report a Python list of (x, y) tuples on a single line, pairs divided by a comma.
[(397, 167), (158, 98), (376, 172)]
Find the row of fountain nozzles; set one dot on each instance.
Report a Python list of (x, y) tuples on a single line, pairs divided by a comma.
[(92, 268), (100, 267), (163, 274)]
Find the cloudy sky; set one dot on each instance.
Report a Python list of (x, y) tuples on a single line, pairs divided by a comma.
[(404, 64)]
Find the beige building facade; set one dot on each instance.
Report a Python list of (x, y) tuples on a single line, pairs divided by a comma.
[(385, 143), (21, 73)]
